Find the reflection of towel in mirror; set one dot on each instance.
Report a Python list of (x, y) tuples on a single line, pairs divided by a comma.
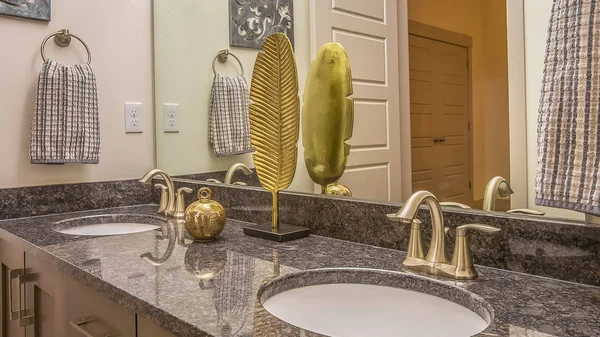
[(65, 127), (569, 118), (229, 120)]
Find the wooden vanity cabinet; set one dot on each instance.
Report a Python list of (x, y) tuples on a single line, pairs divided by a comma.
[(95, 314), (53, 304), (12, 263), (149, 329)]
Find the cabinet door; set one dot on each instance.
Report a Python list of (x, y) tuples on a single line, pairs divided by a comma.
[(44, 299), (12, 263), (89, 313), (149, 329)]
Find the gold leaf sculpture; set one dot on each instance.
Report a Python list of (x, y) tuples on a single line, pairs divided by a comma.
[(275, 116), (328, 115)]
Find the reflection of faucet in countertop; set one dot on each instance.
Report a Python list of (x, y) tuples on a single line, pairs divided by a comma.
[(170, 235), (230, 172)]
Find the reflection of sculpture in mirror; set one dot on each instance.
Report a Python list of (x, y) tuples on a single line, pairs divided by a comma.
[(328, 117)]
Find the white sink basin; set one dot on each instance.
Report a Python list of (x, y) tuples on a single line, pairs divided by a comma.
[(103, 225), (361, 302)]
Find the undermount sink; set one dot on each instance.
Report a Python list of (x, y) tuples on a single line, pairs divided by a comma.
[(109, 224), (345, 302)]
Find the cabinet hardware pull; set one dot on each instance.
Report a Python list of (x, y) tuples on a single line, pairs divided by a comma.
[(77, 326), (14, 275), (26, 316)]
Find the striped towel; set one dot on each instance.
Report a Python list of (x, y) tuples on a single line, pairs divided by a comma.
[(65, 127), (568, 170), (229, 118)]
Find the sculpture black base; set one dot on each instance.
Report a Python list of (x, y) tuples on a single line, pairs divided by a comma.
[(284, 233)]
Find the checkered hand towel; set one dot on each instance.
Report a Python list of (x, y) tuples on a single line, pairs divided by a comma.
[(229, 119), (65, 127), (568, 170)]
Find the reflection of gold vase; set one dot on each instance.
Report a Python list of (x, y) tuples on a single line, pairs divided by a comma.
[(327, 115), (205, 262)]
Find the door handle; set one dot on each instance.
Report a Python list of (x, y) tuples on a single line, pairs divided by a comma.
[(436, 139), (83, 321), (443, 139)]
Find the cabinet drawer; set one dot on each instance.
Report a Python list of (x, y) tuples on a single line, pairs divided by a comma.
[(149, 329), (92, 313)]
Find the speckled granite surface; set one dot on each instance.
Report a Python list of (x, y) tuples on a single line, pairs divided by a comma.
[(196, 289), (52, 199), (549, 247)]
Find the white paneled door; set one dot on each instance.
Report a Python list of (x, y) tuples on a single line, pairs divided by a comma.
[(368, 32)]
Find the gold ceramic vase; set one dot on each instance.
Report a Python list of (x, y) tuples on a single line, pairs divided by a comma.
[(327, 115), (205, 218)]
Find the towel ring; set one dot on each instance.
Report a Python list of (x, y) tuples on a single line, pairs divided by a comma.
[(63, 39), (222, 56)]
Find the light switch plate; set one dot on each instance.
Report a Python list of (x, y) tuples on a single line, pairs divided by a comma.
[(134, 117), (170, 117)]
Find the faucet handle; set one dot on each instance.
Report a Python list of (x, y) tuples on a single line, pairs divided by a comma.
[(463, 230), (525, 211), (462, 258), (164, 197), (180, 202), (415, 245), (211, 180), (241, 183), (454, 204)]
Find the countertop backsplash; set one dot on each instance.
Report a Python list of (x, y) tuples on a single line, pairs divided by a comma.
[(23, 202)]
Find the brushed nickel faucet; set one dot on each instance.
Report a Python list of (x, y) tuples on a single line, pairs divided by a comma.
[(436, 262), (230, 172), (147, 179), (233, 169), (496, 187), (499, 187)]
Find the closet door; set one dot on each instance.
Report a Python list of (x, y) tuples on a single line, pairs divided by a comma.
[(439, 98), (368, 31)]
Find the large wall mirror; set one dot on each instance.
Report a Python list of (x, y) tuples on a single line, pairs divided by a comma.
[(439, 92)]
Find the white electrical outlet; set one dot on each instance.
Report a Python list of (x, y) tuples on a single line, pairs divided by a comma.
[(133, 117), (170, 117)]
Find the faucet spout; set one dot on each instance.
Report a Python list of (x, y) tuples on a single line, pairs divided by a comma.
[(233, 169), (147, 179), (437, 251), (496, 187)]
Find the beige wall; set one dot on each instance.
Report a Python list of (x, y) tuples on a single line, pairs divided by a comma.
[(536, 17), (187, 36), (119, 35), (485, 23)]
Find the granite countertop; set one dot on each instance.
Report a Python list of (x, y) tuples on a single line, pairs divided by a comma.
[(209, 289)]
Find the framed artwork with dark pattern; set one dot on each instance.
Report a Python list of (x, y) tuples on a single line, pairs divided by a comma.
[(251, 21), (29, 9)]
